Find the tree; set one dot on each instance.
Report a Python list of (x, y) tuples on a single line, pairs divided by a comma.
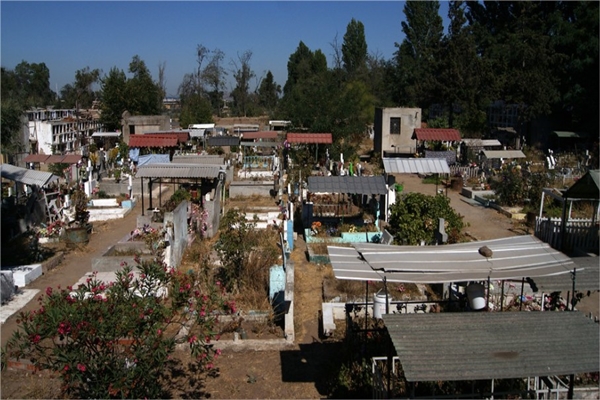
[(11, 126), (417, 58), (144, 96), (354, 50), (162, 80), (196, 109), (213, 76), (242, 72), (268, 93), (33, 84), (414, 218), (80, 94), (114, 99)]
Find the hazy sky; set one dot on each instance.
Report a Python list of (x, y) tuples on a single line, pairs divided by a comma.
[(68, 36)]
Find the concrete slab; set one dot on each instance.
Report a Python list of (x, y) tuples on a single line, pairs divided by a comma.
[(25, 274), (19, 300)]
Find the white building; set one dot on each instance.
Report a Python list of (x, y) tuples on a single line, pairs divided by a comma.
[(60, 131)]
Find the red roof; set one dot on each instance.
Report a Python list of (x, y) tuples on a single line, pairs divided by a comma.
[(441, 135), (71, 159), (54, 159), (182, 136), (310, 138), (260, 135), (36, 158), (152, 141)]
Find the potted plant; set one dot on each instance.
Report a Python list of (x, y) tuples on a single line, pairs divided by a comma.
[(79, 229), (117, 174)]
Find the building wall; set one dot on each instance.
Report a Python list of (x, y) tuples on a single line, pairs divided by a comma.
[(386, 143), (66, 136), (143, 124)]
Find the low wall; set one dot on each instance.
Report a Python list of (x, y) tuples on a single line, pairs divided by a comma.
[(347, 237), (470, 192), (110, 261), (250, 188)]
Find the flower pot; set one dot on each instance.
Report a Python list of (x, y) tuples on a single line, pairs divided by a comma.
[(77, 235)]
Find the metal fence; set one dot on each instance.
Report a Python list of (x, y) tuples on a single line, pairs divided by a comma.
[(580, 233), (465, 172)]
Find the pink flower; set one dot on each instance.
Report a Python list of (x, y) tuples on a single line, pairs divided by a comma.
[(49, 291), (66, 368), (159, 332), (36, 338), (218, 352), (192, 339), (81, 367), (210, 366)]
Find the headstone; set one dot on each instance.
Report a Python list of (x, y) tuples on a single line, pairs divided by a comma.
[(441, 236), (7, 286)]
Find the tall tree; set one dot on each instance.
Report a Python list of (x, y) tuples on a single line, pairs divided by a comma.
[(213, 76), (33, 84), (417, 57), (114, 98), (162, 79), (80, 94), (268, 93), (195, 110), (144, 95), (242, 72), (354, 50)]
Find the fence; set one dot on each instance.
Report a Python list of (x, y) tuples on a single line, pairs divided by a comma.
[(580, 233), (379, 369), (465, 172)]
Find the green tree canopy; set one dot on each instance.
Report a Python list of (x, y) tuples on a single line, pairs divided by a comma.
[(268, 93), (243, 74), (114, 99), (354, 50), (196, 109), (144, 95)]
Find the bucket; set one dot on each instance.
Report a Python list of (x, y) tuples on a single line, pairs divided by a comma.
[(476, 296), (379, 304), (77, 235)]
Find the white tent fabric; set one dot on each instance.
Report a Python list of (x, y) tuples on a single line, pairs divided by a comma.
[(153, 159)]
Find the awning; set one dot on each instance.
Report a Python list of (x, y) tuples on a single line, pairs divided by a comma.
[(36, 158), (210, 159), (152, 141), (462, 346), (54, 159), (173, 170), (481, 142), (216, 141), (570, 135), (347, 184), (260, 135), (587, 187), (436, 135), (317, 138), (27, 176), (513, 258), (71, 159), (503, 154), (416, 166)]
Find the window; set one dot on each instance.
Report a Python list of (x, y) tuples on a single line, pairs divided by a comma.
[(394, 126)]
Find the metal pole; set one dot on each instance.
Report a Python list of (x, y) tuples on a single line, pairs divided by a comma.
[(573, 276), (501, 305), (521, 299), (487, 305), (367, 303), (142, 182)]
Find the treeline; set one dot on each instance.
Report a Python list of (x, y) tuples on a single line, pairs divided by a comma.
[(541, 56)]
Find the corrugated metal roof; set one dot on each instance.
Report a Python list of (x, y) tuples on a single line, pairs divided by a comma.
[(39, 158), (260, 135), (71, 159), (223, 141), (416, 166), (503, 154), (513, 258), (26, 176), (587, 187), (152, 141), (326, 138), (178, 171), (570, 135), (481, 142), (208, 159), (260, 144), (182, 135), (431, 134), (54, 159), (106, 134), (587, 277), (347, 184), (493, 345)]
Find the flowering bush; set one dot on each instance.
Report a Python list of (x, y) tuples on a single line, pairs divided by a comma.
[(198, 220), (52, 230), (115, 340)]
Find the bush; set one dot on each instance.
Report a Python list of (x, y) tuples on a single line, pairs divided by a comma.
[(115, 340)]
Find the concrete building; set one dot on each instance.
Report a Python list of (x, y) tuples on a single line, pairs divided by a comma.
[(138, 124), (60, 131), (393, 130)]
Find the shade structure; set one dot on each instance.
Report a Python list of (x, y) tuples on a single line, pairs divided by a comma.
[(179, 170), (512, 258), (153, 141), (587, 187), (436, 135), (316, 138), (215, 141), (416, 166), (347, 184), (503, 154), (36, 158), (260, 135), (502, 345), (26, 176), (106, 134)]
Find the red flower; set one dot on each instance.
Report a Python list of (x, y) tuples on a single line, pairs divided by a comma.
[(49, 291), (36, 338), (66, 368), (81, 367)]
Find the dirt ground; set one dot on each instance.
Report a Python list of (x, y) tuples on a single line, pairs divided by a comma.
[(299, 372)]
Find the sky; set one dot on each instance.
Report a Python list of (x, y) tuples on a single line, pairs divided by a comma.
[(68, 35)]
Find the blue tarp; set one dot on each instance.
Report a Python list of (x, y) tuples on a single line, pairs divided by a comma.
[(134, 154), (153, 159)]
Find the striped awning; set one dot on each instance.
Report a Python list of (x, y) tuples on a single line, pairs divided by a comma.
[(416, 166)]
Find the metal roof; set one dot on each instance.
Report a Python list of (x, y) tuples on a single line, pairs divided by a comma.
[(260, 144), (571, 135), (106, 134), (587, 187), (209, 159), (513, 258), (223, 141), (416, 166), (26, 176), (39, 158), (347, 184), (152, 141), (493, 345), (71, 159), (587, 277), (481, 142), (503, 153), (431, 134), (260, 135), (54, 159), (174, 170), (309, 138)]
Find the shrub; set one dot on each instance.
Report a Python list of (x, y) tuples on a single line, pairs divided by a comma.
[(115, 340)]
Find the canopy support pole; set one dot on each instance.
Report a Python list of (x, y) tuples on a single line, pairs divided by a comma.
[(142, 183)]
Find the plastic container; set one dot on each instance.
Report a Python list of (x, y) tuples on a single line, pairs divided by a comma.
[(476, 296), (379, 304)]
